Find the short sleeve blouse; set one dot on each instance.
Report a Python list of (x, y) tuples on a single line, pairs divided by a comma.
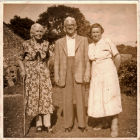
[(103, 49)]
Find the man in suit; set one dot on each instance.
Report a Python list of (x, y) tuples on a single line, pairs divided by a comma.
[(72, 71)]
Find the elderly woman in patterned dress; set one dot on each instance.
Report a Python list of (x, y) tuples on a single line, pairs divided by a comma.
[(104, 94), (33, 61)]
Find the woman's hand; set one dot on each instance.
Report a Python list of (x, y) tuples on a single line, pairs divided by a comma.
[(22, 68), (23, 73)]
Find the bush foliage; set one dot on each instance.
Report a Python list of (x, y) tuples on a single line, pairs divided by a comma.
[(128, 77)]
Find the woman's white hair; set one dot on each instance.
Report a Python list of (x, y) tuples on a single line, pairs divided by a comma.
[(36, 26)]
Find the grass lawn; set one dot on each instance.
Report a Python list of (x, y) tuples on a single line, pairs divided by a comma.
[(13, 118)]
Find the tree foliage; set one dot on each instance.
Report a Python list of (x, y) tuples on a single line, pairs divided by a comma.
[(21, 26), (127, 49), (54, 17)]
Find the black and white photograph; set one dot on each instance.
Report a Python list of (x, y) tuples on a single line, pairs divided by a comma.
[(70, 69)]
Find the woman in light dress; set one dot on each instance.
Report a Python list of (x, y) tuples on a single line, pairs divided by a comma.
[(33, 61), (104, 94)]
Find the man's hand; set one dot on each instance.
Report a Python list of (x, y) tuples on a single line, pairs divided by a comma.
[(86, 79), (57, 81)]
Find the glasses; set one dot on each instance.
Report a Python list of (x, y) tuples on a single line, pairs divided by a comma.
[(70, 25)]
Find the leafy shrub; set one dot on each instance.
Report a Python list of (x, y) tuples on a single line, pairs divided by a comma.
[(128, 77)]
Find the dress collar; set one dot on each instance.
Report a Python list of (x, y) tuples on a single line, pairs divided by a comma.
[(98, 41), (33, 40)]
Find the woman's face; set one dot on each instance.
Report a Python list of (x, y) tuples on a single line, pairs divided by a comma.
[(96, 34), (38, 34)]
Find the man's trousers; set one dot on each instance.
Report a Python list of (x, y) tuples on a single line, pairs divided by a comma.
[(73, 93)]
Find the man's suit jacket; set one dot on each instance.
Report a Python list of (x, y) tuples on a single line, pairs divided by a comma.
[(81, 61)]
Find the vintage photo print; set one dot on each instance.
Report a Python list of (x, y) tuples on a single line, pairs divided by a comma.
[(70, 69)]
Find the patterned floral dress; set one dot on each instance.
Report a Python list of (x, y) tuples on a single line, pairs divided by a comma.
[(38, 87)]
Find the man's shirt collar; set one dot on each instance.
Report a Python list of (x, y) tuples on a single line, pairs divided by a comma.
[(71, 37)]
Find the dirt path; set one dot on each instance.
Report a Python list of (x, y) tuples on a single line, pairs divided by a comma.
[(13, 119)]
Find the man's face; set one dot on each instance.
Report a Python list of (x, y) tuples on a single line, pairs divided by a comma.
[(70, 28), (96, 34)]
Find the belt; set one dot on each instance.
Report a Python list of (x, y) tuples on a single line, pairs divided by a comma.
[(101, 60)]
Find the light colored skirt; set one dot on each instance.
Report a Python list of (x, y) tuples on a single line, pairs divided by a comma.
[(104, 93)]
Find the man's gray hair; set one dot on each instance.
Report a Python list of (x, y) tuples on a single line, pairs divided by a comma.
[(69, 19)]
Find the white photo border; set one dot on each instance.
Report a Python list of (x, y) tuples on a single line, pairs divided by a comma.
[(70, 2)]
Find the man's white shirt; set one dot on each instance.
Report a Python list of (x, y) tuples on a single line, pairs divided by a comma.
[(70, 45)]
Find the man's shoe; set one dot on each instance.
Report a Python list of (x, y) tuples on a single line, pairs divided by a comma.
[(50, 130), (68, 129), (82, 129)]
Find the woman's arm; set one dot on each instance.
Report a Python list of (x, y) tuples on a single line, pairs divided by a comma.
[(87, 62), (91, 53), (117, 61), (22, 67), (56, 63), (115, 54), (21, 56)]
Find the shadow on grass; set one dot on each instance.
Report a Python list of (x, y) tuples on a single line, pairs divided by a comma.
[(104, 122)]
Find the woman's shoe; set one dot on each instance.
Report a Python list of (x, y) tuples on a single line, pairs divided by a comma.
[(98, 127), (45, 129), (114, 126), (39, 129), (114, 133), (48, 129)]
